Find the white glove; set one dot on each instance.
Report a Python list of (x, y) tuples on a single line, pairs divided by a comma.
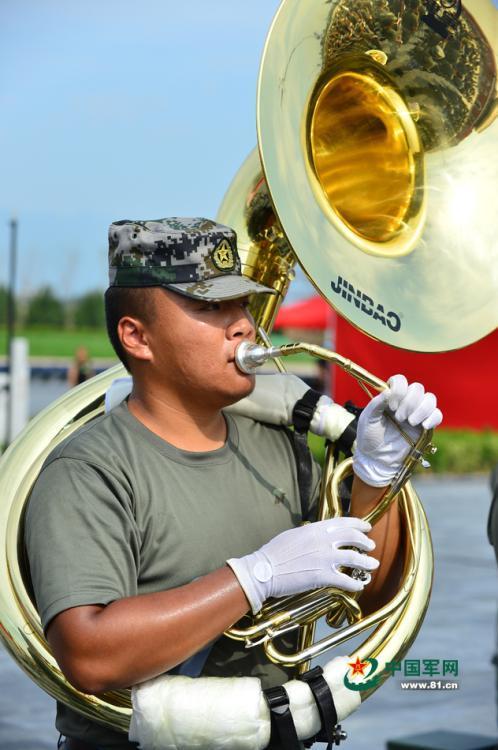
[(380, 447), (305, 558)]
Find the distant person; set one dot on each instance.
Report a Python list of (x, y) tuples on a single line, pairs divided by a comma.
[(81, 369), (493, 539), (493, 511)]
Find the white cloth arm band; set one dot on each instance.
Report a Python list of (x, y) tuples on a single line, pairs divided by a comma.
[(216, 713), (329, 419), (273, 398)]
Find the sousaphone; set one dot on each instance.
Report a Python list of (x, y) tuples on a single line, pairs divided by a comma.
[(378, 171)]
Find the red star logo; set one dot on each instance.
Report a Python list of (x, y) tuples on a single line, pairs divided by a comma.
[(358, 667)]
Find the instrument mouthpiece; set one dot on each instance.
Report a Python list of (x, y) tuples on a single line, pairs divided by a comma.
[(248, 356)]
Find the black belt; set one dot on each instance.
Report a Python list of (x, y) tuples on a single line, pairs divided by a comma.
[(283, 731), (330, 732)]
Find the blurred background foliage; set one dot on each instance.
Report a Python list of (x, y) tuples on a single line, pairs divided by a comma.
[(45, 309)]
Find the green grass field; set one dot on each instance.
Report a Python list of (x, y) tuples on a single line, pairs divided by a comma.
[(59, 343)]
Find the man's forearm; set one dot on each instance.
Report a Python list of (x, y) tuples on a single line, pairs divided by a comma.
[(387, 535), (137, 638), (134, 639)]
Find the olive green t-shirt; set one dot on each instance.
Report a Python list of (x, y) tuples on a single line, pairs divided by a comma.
[(117, 511)]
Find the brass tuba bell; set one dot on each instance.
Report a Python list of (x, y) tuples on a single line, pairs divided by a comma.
[(377, 134)]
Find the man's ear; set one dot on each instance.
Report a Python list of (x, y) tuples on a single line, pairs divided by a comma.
[(134, 339)]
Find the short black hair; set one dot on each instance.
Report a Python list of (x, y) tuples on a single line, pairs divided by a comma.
[(137, 302)]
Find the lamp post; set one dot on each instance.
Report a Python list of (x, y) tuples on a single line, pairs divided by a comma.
[(11, 318)]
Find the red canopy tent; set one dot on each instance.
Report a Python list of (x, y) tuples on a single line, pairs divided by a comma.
[(465, 381), (313, 313)]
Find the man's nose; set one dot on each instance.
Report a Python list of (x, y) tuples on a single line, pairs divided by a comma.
[(242, 323)]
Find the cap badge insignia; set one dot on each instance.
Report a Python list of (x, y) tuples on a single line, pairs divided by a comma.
[(223, 257)]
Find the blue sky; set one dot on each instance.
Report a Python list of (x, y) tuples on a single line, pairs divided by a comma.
[(115, 109)]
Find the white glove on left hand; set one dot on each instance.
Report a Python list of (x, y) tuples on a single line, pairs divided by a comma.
[(380, 447)]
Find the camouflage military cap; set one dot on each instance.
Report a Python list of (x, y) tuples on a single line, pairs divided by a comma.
[(195, 257)]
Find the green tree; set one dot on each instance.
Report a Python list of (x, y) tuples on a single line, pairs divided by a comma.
[(44, 309), (89, 311)]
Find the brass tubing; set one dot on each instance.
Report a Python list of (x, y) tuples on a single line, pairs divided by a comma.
[(359, 373), (281, 617), (392, 608)]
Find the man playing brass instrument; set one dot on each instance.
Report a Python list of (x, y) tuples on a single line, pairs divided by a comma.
[(154, 528)]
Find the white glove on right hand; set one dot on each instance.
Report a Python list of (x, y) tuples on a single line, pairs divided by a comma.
[(307, 557), (380, 447)]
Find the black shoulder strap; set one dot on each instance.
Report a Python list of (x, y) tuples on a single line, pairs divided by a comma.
[(302, 457), (302, 415)]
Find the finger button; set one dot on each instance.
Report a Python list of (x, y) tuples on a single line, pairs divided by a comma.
[(262, 572)]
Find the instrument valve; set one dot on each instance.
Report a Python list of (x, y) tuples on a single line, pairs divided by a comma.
[(431, 449)]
